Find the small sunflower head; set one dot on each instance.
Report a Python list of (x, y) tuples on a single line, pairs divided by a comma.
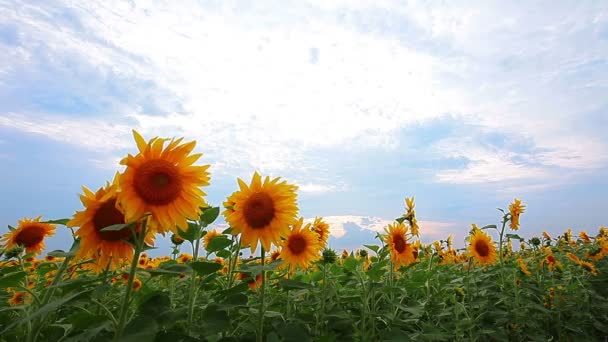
[(176, 239)]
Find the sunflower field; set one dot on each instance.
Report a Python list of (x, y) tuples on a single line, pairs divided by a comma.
[(271, 277)]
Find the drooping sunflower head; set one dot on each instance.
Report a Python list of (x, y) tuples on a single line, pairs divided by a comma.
[(583, 235), (515, 209), (102, 210), (262, 211), (29, 234), (163, 181), (301, 247), (481, 247), (321, 228), (209, 236), (402, 252)]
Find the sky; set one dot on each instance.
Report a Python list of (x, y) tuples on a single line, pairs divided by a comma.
[(465, 105)]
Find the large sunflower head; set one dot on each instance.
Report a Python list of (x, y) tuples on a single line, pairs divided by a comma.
[(321, 228), (515, 209), (301, 247), (29, 234), (103, 210), (262, 211), (161, 180), (402, 252), (482, 248)]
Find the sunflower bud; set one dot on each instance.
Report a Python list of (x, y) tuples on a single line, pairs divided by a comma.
[(363, 253), (176, 239), (13, 252), (535, 241), (329, 256)]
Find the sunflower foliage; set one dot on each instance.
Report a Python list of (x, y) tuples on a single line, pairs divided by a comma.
[(271, 276)]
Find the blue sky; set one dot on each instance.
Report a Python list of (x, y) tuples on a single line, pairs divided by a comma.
[(464, 105)]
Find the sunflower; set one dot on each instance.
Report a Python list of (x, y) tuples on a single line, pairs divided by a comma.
[(322, 229), (162, 181), (600, 251), (523, 266), (262, 211), (546, 236), (301, 247), (136, 284), (18, 298), (482, 248), (209, 236), (102, 210), (184, 258), (402, 252), (550, 260), (29, 234), (516, 208), (410, 215), (249, 279), (583, 235)]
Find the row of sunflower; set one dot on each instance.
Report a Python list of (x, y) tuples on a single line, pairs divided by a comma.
[(292, 287)]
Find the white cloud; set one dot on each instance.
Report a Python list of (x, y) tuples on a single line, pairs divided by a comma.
[(338, 228), (316, 188), (242, 81)]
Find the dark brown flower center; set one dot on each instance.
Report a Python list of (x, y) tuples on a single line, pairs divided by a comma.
[(296, 244), (30, 235), (482, 248), (107, 215), (399, 243), (258, 210), (158, 182)]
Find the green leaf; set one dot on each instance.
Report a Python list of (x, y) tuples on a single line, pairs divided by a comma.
[(242, 287), (59, 254), (237, 299), (174, 269), (12, 279), (209, 215), (489, 226), (514, 236), (223, 254), (290, 284), (142, 328), (205, 267), (89, 334), (192, 234), (50, 307), (214, 320), (117, 227), (373, 248), (400, 219), (63, 221), (154, 304), (293, 332), (227, 231), (218, 243), (351, 263)]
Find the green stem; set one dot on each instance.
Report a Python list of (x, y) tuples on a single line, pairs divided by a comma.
[(139, 241), (49, 291), (260, 335), (192, 297), (502, 231)]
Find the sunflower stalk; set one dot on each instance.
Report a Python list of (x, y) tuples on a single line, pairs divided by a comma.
[(260, 335), (50, 290), (192, 295), (139, 244)]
